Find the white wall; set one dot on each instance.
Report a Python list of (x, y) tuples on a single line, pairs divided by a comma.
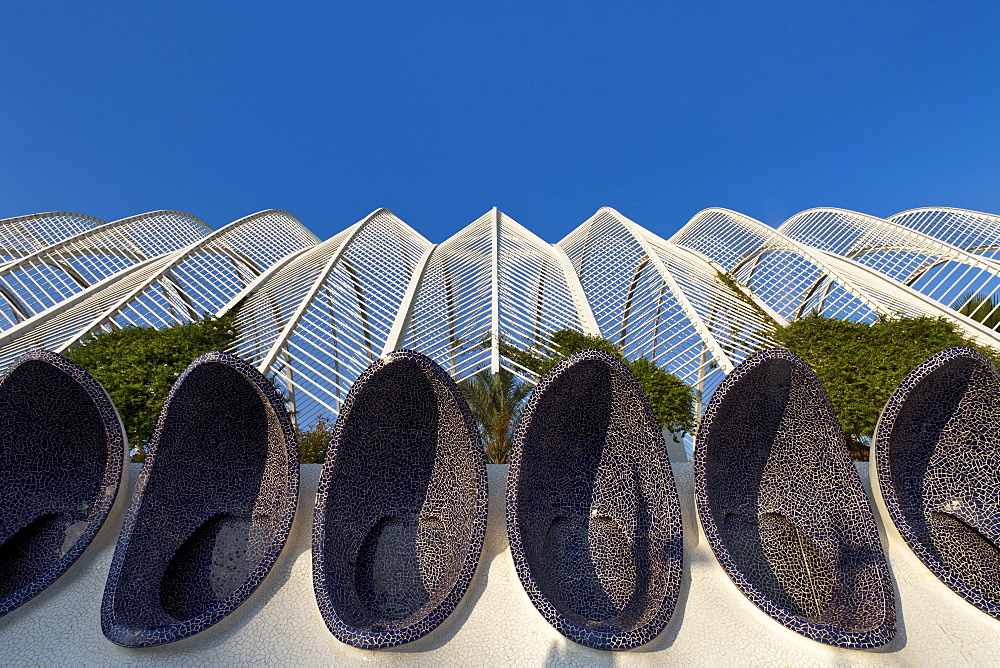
[(495, 624)]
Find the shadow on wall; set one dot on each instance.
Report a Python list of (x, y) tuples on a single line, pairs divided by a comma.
[(783, 507), (62, 453), (593, 515), (200, 537)]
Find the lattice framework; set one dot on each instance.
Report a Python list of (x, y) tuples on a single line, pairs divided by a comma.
[(314, 315)]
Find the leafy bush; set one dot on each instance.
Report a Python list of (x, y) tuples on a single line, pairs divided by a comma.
[(314, 441), (860, 364), (671, 399), (138, 366)]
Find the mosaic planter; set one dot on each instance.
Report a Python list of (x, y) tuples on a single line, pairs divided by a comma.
[(936, 471), (783, 507), (401, 505), (62, 453), (212, 508), (593, 516)]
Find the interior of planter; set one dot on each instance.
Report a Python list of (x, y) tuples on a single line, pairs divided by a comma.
[(53, 457), (215, 496), (945, 470), (591, 500), (400, 512), (786, 503)]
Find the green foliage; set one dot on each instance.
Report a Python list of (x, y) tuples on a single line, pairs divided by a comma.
[(981, 309), (860, 364), (314, 441), (496, 401), (138, 366), (672, 400)]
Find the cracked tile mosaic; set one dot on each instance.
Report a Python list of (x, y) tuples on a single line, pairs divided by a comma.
[(593, 515), (212, 508), (401, 506), (62, 453), (784, 509), (936, 456)]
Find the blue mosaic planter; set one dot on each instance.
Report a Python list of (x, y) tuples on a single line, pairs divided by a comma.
[(62, 453), (593, 516), (936, 455), (783, 507), (401, 506), (212, 509)]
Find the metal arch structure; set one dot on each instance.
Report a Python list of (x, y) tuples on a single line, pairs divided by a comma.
[(313, 315), (796, 279), (169, 289), (972, 231), (792, 278), (25, 234), (318, 322), (662, 301), (948, 274), (39, 280), (491, 285)]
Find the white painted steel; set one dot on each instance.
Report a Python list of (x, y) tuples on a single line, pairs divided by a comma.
[(319, 322), (34, 282), (23, 235), (492, 284), (664, 302), (313, 315), (947, 273), (174, 288)]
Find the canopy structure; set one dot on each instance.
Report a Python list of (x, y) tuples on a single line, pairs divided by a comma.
[(313, 315)]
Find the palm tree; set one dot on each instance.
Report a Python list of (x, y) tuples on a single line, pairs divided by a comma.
[(496, 401), (980, 308)]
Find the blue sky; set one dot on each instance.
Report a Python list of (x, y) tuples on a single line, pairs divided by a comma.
[(440, 111)]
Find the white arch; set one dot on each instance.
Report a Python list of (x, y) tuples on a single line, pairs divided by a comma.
[(30, 289)]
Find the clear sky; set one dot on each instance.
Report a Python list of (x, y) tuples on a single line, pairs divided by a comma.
[(441, 111)]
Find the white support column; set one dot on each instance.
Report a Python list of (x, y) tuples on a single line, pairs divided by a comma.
[(495, 296), (265, 366), (402, 320), (584, 312)]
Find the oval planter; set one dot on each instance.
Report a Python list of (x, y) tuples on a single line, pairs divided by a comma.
[(401, 506), (593, 516), (62, 453), (212, 509), (783, 507), (936, 471)]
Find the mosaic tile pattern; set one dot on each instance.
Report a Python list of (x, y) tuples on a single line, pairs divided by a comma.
[(62, 452), (784, 509), (212, 508), (937, 459), (401, 506), (593, 516)]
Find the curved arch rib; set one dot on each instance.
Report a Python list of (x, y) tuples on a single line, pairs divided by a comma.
[(31, 286), (881, 240)]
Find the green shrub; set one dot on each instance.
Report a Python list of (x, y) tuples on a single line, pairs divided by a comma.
[(314, 441), (671, 399), (138, 366), (861, 364)]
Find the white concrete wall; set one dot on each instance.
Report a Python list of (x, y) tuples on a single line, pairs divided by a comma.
[(496, 624)]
